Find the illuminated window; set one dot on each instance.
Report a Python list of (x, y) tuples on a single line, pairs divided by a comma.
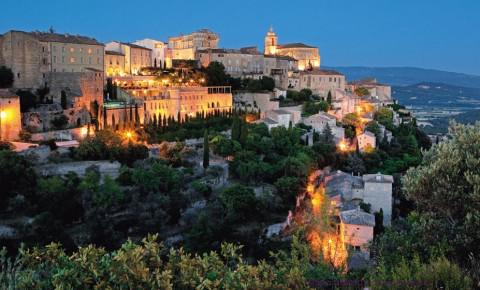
[(72, 59), (72, 49), (89, 50)]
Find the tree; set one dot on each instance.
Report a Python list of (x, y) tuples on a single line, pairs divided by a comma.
[(268, 83), (236, 128), (288, 188), (243, 132), (327, 135), (6, 77), (215, 73), (384, 116), (206, 151), (445, 189), (362, 91), (355, 164), (63, 99), (16, 176), (351, 119), (329, 98), (59, 122), (239, 202)]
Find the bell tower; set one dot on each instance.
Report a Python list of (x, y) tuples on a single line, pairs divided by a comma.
[(271, 42)]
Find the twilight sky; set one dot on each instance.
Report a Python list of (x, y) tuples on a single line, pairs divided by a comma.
[(439, 34)]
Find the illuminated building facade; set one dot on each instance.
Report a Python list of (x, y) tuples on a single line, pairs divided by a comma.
[(136, 56), (159, 49), (34, 56), (163, 103), (10, 117), (307, 56), (114, 63), (184, 47)]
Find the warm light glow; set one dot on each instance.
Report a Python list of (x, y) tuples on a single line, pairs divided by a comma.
[(324, 241), (3, 114), (129, 134), (343, 146), (84, 131)]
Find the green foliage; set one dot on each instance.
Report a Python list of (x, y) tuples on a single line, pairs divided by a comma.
[(445, 188), (288, 188), (6, 77), (384, 116), (59, 122), (311, 107), (224, 146), (351, 119), (239, 201), (439, 273), (149, 265), (16, 176), (216, 75), (362, 91), (206, 150), (102, 194), (108, 145)]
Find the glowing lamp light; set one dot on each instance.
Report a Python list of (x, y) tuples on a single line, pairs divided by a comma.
[(342, 146), (84, 131), (3, 114), (129, 134)]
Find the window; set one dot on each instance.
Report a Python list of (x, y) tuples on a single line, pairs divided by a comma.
[(98, 60), (72, 49), (63, 48), (89, 51), (18, 75), (72, 60), (54, 59), (80, 49), (81, 59)]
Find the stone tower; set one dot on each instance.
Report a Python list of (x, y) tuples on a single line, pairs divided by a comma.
[(271, 42)]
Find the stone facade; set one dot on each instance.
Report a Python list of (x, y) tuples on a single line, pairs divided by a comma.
[(381, 92), (319, 122), (254, 102), (321, 82), (10, 117), (185, 46), (31, 55), (378, 193), (114, 63), (159, 51), (238, 63), (136, 56), (307, 56), (366, 141), (172, 102)]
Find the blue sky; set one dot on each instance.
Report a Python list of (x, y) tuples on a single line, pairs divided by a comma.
[(439, 34)]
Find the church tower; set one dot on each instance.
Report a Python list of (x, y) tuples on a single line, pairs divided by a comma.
[(271, 42)]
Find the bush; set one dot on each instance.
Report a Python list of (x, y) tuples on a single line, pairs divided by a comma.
[(59, 122)]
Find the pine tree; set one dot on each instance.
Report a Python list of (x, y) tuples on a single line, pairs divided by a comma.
[(236, 129), (105, 117), (130, 120), (329, 98), (155, 123), (137, 116), (243, 132), (327, 134), (206, 150)]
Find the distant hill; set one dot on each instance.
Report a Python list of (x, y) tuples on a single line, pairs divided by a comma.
[(440, 125), (404, 76), (437, 95)]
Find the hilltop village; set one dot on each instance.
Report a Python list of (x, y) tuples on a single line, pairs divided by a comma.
[(199, 144)]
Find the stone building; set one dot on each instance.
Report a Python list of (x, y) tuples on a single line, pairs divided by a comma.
[(307, 56), (320, 120), (185, 47), (136, 56), (159, 52), (255, 102), (164, 103), (10, 117), (34, 56), (378, 193), (244, 62), (357, 227), (348, 191), (321, 82), (376, 90), (366, 141), (114, 63)]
